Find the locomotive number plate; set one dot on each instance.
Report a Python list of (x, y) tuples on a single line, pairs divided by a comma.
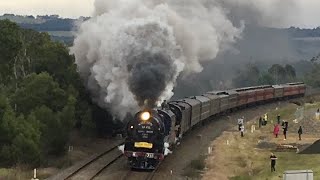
[(149, 155), (143, 145)]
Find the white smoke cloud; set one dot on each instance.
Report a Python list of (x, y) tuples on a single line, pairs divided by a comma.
[(174, 35), (271, 13), (184, 33)]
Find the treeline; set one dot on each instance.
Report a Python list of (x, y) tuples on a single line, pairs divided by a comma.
[(42, 98), (276, 74), (51, 25), (297, 32)]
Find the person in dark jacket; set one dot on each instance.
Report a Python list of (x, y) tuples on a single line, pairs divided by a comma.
[(273, 159), (278, 118), (285, 129), (300, 132), (260, 122)]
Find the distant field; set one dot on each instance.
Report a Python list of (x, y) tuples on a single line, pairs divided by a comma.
[(61, 33)]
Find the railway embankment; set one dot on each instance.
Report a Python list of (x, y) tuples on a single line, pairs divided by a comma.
[(236, 157)]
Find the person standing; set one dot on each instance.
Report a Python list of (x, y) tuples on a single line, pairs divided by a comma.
[(273, 159), (278, 118), (240, 122), (260, 122), (265, 119), (242, 130), (276, 130), (300, 132), (285, 129)]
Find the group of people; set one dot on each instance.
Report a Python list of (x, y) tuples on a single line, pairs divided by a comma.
[(284, 126), (276, 130)]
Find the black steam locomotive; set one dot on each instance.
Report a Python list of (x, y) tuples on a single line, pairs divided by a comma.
[(148, 134), (153, 132)]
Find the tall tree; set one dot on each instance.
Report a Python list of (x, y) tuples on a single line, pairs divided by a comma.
[(278, 73), (10, 45), (290, 72), (37, 90), (247, 77)]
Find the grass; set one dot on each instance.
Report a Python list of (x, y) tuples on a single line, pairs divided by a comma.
[(195, 168), (241, 159), (19, 173), (292, 161), (15, 173)]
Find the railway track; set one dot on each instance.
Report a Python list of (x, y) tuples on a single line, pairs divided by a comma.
[(143, 175), (91, 167)]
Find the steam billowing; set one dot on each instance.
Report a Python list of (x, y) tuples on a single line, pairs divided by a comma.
[(149, 75), (134, 50)]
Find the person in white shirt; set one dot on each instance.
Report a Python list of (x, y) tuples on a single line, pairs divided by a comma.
[(242, 130)]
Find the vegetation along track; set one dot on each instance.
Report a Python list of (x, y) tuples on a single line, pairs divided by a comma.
[(91, 167)]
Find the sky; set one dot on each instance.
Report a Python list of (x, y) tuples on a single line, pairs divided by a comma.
[(308, 16), (64, 8)]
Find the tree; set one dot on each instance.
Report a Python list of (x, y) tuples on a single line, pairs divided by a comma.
[(54, 135), (37, 90), (67, 116), (88, 126), (290, 72), (278, 73), (10, 45), (313, 77), (20, 139), (266, 79), (247, 77)]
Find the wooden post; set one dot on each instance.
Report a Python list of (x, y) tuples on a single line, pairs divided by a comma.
[(34, 175)]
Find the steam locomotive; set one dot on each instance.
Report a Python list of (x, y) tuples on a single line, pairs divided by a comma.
[(153, 132)]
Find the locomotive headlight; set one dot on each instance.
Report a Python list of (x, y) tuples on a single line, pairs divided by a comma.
[(145, 116)]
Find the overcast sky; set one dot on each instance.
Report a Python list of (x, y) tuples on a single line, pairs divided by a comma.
[(308, 16), (64, 8)]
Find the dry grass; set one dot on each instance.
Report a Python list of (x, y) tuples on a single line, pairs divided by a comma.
[(242, 159)]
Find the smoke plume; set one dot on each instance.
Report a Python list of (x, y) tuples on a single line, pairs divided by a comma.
[(134, 50)]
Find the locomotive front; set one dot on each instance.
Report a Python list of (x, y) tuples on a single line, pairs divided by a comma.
[(144, 145)]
